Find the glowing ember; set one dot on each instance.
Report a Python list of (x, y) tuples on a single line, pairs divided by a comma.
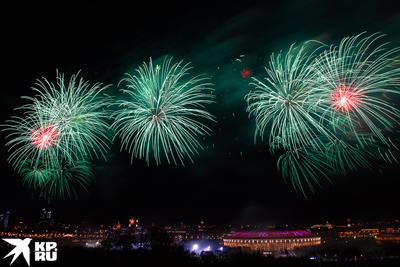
[(344, 98), (45, 137), (246, 73)]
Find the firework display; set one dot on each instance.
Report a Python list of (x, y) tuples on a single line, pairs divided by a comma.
[(164, 113), (63, 124), (325, 110), (281, 103), (356, 75), (329, 110), (79, 110)]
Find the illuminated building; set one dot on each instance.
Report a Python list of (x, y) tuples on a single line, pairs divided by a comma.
[(133, 222), (389, 234), (200, 231), (361, 233), (326, 226), (117, 226), (393, 237), (271, 241)]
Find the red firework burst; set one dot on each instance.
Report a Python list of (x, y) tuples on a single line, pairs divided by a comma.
[(246, 73), (345, 98), (45, 137)]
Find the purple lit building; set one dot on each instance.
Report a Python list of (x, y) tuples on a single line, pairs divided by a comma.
[(271, 241)]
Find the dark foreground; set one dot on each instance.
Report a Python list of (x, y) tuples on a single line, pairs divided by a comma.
[(176, 257)]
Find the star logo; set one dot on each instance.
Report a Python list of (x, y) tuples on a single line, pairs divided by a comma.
[(21, 246)]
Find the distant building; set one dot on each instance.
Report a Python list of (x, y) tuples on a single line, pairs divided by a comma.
[(43, 214), (360, 233), (327, 226), (133, 222), (271, 241), (6, 219), (389, 234), (201, 231), (117, 226), (46, 217)]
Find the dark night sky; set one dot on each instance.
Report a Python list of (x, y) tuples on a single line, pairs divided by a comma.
[(236, 181)]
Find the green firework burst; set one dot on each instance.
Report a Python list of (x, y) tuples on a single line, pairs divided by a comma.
[(331, 110), (58, 182), (283, 104), (164, 113), (357, 79), (67, 119)]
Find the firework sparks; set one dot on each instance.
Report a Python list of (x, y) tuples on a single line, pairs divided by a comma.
[(165, 111), (328, 112), (64, 123), (345, 98), (45, 137)]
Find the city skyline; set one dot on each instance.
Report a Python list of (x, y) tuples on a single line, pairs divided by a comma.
[(232, 180)]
